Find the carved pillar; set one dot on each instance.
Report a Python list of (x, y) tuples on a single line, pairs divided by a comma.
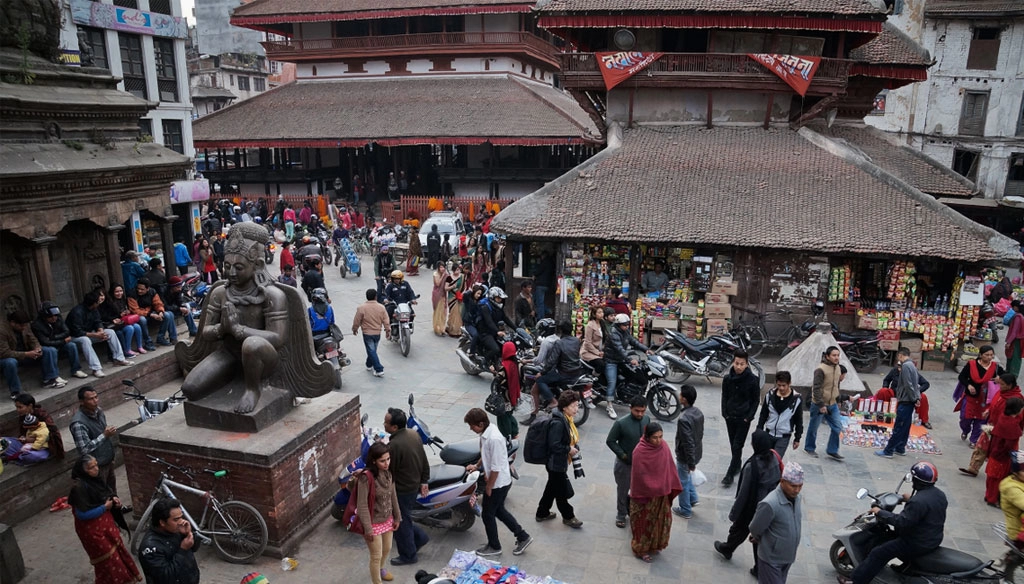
[(113, 249), (167, 242), (43, 284)]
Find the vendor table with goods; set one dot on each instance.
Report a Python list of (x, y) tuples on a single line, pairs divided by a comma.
[(870, 423), (469, 568)]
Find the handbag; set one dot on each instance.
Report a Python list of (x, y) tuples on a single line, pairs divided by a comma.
[(351, 518), (130, 319)]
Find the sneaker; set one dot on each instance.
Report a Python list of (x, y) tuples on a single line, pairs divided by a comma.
[(80, 374), (522, 545), (141, 351), (163, 342), (61, 380), (129, 355), (487, 551), (369, 368), (99, 373), (385, 575), (927, 425), (811, 453), (898, 453), (611, 411), (124, 363), (883, 454), (540, 518), (720, 548), (695, 503), (678, 511), (574, 523), (150, 346), (590, 404), (14, 396), (836, 455), (50, 384), (378, 374)]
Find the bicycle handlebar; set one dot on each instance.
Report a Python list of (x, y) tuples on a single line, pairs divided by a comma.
[(188, 471)]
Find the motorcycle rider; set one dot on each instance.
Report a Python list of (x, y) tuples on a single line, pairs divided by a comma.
[(383, 264), (563, 364), (492, 314), (321, 315), (309, 248), (616, 349), (314, 278), (918, 526), (395, 293)]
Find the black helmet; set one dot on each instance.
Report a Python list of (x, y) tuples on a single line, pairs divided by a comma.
[(545, 327), (48, 308), (319, 295)]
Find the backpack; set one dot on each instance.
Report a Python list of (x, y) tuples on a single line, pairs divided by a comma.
[(535, 447)]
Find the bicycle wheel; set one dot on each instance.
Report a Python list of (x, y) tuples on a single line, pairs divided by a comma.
[(238, 531), (141, 529), (758, 338)]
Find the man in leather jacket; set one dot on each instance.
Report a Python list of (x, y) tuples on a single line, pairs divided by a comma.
[(492, 314), (563, 364), (689, 449), (165, 553)]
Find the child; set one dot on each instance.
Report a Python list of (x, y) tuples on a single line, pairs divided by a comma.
[(32, 446)]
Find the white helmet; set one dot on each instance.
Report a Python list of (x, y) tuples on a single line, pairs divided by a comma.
[(495, 293), (621, 319)]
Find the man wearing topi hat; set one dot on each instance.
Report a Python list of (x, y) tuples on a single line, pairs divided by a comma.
[(775, 527)]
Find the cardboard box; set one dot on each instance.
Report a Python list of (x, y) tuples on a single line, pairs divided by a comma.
[(914, 344), (867, 322), (687, 309), (718, 311), (917, 357), (939, 356), (664, 323), (656, 339), (687, 325), (717, 326), (712, 298), (933, 365), (730, 288), (889, 340)]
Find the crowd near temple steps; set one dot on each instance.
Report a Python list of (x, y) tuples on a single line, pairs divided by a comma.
[(487, 291)]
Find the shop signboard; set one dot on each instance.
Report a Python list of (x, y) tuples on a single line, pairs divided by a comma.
[(973, 291), (113, 17), (190, 191)]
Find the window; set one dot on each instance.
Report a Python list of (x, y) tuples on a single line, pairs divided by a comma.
[(172, 136), (259, 84), (213, 80), (984, 51), (1015, 178), (243, 83), (166, 76), (965, 163), (97, 40), (146, 128), (973, 114), (1020, 119), (161, 6), (127, 3), (133, 70), (232, 77)]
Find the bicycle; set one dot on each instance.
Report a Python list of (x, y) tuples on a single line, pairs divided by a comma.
[(236, 529), (755, 336)]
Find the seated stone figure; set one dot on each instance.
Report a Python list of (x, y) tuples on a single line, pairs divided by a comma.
[(253, 327)]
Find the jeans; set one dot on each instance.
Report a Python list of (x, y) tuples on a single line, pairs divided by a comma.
[(901, 428), (611, 372), (689, 495), (831, 417), (410, 537), (380, 547), (539, 292), (71, 350), (28, 457), (493, 510), (190, 322), (882, 555), (553, 377), (371, 342), (84, 346), (737, 429), (167, 328), (289, 230), (144, 327), (9, 367), (781, 444), (622, 477), (557, 490)]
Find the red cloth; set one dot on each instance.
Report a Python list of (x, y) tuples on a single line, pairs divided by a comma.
[(508, 361), (286, 258), (1003, 426), (653, 473), (102, 541), (974, 405)]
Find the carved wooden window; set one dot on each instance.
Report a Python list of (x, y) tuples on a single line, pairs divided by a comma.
[(984, 51), (172, 136), (974, 113), (132, 68)]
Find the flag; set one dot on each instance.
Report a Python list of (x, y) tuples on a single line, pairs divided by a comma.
[(618, 67), (796, 71)]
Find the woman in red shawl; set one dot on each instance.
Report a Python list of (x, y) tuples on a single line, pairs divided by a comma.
[(94, 506), (653, 484), (1007, 423), (972, 392)]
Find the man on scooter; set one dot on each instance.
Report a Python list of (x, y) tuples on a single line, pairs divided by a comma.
[(492, 314), (918, 527), (397, 292)]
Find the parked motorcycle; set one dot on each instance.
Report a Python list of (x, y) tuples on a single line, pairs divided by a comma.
[(475, 363), (150, 408), (194, 289), (708, 358), (855, 541), (369, 436), (644, 379)]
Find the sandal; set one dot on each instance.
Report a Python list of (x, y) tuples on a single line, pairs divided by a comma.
[(620, 523), (646, 558)]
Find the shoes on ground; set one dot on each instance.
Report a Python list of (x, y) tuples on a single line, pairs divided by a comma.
[(378, 374), (403, 562), (611, 411), (883, 454), (485, 551), (124, 363), (141, 350), (727, 480), (545, 517), (99, 373), (678, 511), (80, 374), (385, 575), (927, 425), (835, 455), (522, 545), (720, 548), (811, 453), (574, 523)]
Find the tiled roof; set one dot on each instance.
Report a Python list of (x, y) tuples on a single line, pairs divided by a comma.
[(421, 110), (916, 168), (892, 47), (746, 187), (953, 8), (282, 7), (842, 7), (212, 93)]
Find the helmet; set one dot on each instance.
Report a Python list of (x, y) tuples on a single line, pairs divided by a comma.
[(211, 215), (621, 319), (397, 275), (1017, 461), (319, 295), (237, 208), (545, 327), (924, 472), (49, 308), (305, 239), (257, 219), (496, 293)]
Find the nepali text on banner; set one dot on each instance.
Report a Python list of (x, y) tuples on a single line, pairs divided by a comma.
[(618, 67), (796, 71)]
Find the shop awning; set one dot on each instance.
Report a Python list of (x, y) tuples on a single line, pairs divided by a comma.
[(496, 109), (748, 188)]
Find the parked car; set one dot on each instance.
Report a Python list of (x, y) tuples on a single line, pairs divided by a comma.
[(447, 222)]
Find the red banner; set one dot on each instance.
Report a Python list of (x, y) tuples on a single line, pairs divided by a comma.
[(796, 71), (618, 67)]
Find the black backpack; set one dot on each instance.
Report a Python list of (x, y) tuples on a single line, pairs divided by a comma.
[(535, 447)]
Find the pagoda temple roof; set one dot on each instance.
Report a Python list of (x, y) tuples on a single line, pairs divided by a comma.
[(263, 12), (499, 109), (791, 7)]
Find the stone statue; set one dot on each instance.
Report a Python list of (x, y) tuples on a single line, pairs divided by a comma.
[(85, 49), (255, 328)]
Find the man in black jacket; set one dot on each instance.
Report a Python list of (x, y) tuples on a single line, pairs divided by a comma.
[(563, 363), (177, 304), (86, 326), (689, 449), (165, 553), (741, 393), (918, 527), (51, 331), (433, 247)]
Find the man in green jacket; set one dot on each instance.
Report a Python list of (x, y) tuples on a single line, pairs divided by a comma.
[(622, 439)]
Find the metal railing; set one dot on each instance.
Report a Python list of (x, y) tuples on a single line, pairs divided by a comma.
[(412, 41), (703, 63)]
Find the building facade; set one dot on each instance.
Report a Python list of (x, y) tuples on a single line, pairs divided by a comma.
[(969, 115), (221, 79), (216, 35)]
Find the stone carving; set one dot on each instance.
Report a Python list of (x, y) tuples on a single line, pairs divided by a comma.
[(53, 132), (255, 327), (13, 303), (85, 49)]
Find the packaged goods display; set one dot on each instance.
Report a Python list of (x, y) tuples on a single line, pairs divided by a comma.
[(902, 281)]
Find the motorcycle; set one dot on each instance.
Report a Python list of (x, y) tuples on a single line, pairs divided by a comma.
[(150, 408), (401, 326), (644, 379), (268, 253), (474, 363), (855, 541), (708, 358), (195, 289), (327, 348), (324, 239)]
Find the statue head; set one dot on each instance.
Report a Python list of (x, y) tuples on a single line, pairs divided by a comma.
[(244, 255)]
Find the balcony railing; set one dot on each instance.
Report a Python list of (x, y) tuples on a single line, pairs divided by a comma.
[(702, 70), (433, 43)]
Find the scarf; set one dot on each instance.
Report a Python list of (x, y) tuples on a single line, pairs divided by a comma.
[(574, 434), (653, 473), (511, 366), (88, 492), (976, 376)]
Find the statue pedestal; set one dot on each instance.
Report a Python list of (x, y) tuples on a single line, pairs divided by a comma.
[(288, 471), (217, 411)]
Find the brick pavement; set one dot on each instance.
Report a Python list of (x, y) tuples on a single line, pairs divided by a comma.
[(599, 552)]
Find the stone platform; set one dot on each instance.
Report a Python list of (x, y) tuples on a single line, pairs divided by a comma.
[(288, 471)]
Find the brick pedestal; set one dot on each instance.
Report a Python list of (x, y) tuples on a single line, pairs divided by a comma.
[(288, 471)]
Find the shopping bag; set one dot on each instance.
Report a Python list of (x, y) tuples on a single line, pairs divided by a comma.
[(698, 477)]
